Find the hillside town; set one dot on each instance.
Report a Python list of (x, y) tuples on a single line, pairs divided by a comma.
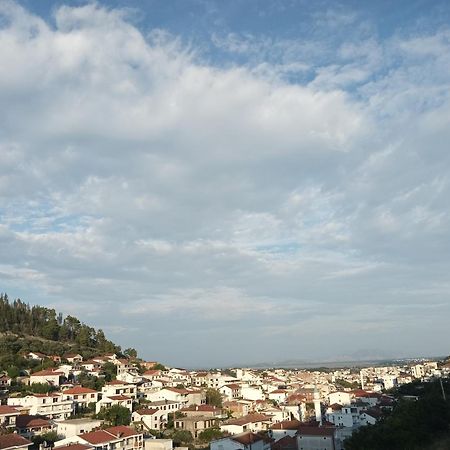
[(114, 402)]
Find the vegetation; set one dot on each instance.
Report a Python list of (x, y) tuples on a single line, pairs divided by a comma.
[(180, 437), (213, 397), (50, 438), (115, 415), (25, 328), (346, 384), (210, 434), (412, 425)]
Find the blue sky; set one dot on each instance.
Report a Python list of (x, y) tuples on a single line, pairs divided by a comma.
[(230, 182)]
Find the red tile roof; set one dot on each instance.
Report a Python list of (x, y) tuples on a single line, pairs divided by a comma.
[(46, 373), (5, 410), (247, 438), (316, 431), (109, 434), (77, 447), (13, 440), (147, 412), (80, 390), (287, 425), (28, 421), (250, 418), (118, 397)]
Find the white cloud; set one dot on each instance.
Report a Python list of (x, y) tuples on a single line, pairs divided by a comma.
[(138, 180)]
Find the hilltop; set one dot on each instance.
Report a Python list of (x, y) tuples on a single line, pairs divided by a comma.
[(25, 328)]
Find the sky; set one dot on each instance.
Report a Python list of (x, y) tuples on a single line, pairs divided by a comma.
[(230, 182)]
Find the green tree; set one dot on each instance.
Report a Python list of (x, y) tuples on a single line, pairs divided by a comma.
[(130, 353), (213, 397), (110, 371), (115, 415), (182, 437), (210, 434)]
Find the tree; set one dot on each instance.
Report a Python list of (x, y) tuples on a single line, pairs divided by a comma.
[(182, 437), (115, 415), (210, 434), (130, 353), (110, 371), (213, 397)]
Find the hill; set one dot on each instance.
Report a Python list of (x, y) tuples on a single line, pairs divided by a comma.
[(25, 328)]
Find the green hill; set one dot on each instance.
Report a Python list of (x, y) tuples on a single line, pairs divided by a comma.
[(25, 328)]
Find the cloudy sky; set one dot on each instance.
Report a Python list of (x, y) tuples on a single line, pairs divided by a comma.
[(232, 182)]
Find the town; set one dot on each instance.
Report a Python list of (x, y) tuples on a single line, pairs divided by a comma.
[(112, 401)]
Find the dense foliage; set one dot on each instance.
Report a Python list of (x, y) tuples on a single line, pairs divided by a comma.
[(115, 415), (25, 328), (412, 425), (213, 397)]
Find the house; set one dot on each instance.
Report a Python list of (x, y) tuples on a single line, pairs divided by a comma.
[(73, 358), (278, 395), (152, 374), (195, 424), (46, 377), (13, 441), (251, 422), (8, 416), (252, 393), (203, 410), (5, 381), (112, 400), (231, 391), (120, 437), (117, 387), (165, 405), (340, 397), (72, 427), (37, 356), (29, 426), (286, 428), (52, 406), (316, 438), (237, 408), (81, 396), (242, 441), (152, 419), (276, 414), (158, 444)]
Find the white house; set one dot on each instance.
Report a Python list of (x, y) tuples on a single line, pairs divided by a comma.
[(113, 400), (286, 428), (247, 440), (278, 395), (152, 419), (230, 391), (315, 438), (46, 377), (117, 387), (340, 397), (72, 427), (120, 437), (54, 406), (252, 393), (81, 396), (8, 416), (252, 422)]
